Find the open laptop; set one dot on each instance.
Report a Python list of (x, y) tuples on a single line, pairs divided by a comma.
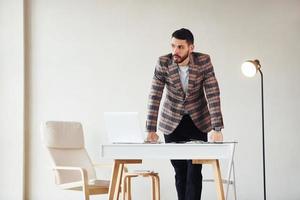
[(123, 127)]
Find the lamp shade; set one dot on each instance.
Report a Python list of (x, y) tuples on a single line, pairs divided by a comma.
[(249, 68)]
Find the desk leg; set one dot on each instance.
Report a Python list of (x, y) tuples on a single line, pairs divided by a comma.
[(217, 172), (114, 188), (218, 179), (115, 183)]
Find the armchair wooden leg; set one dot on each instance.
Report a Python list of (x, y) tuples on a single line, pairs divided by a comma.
[(86, 195)]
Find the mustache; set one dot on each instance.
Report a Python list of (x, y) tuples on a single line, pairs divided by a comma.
[(175, 55)]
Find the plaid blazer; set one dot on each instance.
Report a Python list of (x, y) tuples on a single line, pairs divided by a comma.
[(202, 101)]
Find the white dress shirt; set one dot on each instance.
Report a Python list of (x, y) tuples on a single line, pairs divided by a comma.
[(184, 77)]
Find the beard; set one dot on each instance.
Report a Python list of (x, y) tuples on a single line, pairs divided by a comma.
[(178, 59)]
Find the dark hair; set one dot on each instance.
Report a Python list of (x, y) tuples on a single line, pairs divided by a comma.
[(184, 34)]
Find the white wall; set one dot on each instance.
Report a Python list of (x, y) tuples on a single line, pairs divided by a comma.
[(87, 57), (11, 99)]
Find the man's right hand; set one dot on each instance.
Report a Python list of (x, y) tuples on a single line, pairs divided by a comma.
[(152, 137)]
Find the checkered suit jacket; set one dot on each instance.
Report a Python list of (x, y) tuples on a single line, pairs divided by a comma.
[(202, 101)]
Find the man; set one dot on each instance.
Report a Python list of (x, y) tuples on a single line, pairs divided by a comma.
[(191, 108)]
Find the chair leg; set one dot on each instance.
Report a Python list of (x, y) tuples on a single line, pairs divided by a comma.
[(155, 187), (153, 184), (124, 188), (128, 188), (126, 192)]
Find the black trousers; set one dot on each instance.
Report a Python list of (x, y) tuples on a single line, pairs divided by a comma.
[(188, 176)]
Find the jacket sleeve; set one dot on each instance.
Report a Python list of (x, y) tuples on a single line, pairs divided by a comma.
[(212, 93), (156, 91)]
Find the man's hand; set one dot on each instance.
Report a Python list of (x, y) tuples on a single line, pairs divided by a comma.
[(152, 137), (215, 136)]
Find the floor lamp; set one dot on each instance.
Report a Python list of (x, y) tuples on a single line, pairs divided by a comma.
[(249, 69)]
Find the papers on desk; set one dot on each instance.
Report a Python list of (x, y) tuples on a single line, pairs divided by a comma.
[(201, 142), (178, 142), (145, 142)]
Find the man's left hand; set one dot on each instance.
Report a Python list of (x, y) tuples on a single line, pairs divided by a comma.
[(215, 136)]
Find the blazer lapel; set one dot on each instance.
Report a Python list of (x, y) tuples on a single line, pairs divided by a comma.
[(193, 72), (175, 78)]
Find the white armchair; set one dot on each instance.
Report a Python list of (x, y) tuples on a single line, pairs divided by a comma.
[(72, 165)]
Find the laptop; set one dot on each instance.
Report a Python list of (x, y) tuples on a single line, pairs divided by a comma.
[(123, 127)]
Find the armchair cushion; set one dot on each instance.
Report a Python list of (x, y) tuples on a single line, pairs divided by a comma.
[(63, 135)]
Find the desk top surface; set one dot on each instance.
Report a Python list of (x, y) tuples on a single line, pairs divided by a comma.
[(168, 150)]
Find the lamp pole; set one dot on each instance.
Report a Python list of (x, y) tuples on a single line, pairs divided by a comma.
[(249, 69), (263, 128)]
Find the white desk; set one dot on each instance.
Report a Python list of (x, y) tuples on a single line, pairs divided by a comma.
[(203, 153)]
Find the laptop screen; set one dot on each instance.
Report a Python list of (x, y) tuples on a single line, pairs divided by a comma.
[(123, 127)]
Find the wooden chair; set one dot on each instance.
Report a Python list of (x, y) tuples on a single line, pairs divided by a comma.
[(126, 191), (72, 165)]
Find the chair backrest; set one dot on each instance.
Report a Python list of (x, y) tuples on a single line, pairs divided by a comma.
[(65, 143)]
